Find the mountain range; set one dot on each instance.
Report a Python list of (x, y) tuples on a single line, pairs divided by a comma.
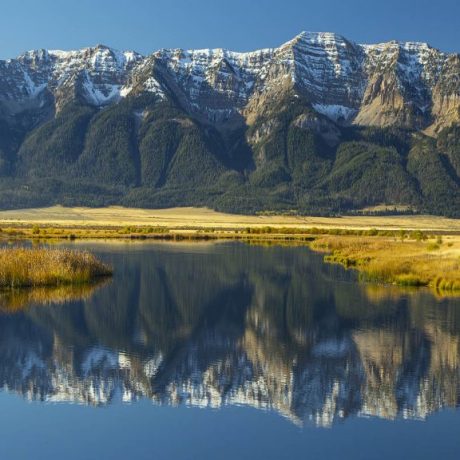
[(319, 125)]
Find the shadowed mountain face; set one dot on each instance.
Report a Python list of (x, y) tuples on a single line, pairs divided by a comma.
[(319, 124), (228, 324)]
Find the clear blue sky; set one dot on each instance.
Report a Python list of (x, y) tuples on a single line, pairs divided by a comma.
[(240, 25)]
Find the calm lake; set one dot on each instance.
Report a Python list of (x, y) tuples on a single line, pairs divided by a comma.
[(228, 350)]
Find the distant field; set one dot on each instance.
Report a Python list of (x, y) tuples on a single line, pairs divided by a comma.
[(403, 250), (177, 218)]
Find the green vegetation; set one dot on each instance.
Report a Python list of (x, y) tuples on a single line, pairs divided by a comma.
[(433, 246), (438, 182), (145, 153), (448, 142), (23, 267), (199, 232)]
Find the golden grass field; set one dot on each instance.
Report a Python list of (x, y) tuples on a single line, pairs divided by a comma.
[(177, 218)]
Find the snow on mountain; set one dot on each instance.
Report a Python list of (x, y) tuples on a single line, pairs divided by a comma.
[(335, 112), (342, 80)]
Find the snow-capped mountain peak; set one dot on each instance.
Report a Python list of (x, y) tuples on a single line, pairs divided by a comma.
[(381, 84)]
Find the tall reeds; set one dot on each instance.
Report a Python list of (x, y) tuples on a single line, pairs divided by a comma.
[(24, 267), (403, 263)]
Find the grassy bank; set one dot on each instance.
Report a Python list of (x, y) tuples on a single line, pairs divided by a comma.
[(23, 267), (402, 250), (49, 232), (419, 262)]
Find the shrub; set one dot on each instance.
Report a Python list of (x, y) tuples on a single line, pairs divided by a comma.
[(433, 246)]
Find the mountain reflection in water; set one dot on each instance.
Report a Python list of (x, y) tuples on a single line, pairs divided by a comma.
[(230, 324)]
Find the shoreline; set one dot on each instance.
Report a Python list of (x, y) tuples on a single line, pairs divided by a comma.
[(424, 254)]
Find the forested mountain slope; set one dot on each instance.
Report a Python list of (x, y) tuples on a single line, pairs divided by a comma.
[(318, 125)]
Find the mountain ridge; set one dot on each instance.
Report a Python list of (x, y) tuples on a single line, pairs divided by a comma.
[(259, 130), (303, 33), (294, 49)]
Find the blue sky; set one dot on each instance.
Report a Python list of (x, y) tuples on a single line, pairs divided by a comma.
[(240, 25)]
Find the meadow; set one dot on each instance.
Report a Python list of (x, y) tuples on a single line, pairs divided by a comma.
[(204, 218), (417, 250)]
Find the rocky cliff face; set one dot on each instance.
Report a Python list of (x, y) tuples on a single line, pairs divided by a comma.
[(408, 84)]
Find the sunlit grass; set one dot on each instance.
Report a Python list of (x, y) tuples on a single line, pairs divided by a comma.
[(405, 263), (418, 255), (25, 267)]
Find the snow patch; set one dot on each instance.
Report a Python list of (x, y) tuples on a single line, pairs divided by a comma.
[(152, 366), (335, 112), (125, 90), (33, 89), (101, 94), (152, 86)]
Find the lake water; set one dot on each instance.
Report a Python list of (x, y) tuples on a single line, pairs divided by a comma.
[(227, 350)]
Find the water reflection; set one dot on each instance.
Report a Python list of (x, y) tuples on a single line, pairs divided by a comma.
[(20, 299), (229, 324)]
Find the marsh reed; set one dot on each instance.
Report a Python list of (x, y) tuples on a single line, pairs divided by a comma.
[(33, 267), (405, 263)]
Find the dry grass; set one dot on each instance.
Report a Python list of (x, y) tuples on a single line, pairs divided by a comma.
[(177, 218), (23, 267), (405, 263), (370, 244)]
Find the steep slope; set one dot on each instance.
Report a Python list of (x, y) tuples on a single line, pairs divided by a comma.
[(311, 125)]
